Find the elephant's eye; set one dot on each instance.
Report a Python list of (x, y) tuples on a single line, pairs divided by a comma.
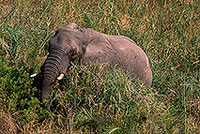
[(80, 30), (72, 55)]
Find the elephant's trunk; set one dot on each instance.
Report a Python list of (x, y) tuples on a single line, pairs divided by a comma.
[(56, 63)]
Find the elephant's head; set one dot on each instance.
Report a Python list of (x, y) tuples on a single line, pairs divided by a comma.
[(65, 46)]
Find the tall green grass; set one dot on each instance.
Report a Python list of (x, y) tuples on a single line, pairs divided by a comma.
[(92, 100)]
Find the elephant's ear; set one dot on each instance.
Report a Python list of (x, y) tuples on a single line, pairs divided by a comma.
[(71, 26)]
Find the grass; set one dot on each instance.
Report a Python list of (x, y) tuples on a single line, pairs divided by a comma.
[(88, 99)]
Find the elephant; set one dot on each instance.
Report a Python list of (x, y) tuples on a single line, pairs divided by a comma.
[(85, 45)]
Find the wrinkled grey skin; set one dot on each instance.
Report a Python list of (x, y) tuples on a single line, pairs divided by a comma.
[(86, 45)]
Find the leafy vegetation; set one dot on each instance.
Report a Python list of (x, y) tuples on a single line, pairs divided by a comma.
[(91, 99)]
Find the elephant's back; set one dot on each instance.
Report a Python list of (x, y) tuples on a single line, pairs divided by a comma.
[(127, 50), (132, 58), (119, 50)]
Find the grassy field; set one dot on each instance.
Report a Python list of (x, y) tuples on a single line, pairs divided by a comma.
[(88, 99)]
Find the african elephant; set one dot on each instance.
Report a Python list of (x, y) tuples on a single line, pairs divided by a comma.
[(71, 44)]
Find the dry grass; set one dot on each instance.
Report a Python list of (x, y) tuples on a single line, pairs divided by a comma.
[(7, 123)]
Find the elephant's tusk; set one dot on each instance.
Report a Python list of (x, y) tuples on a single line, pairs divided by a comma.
[(33, 75), (60, 77)]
